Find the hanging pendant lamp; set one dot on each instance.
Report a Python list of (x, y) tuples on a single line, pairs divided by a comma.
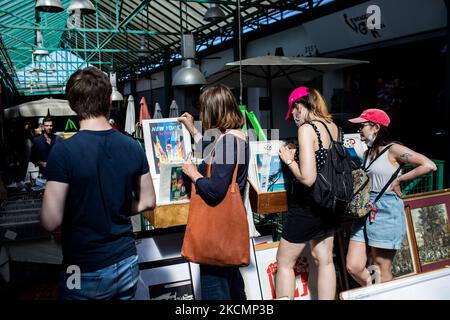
[(85, 7), (189, 74), (214, 14), (49, 6)]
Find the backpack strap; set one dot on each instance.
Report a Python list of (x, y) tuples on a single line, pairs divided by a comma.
[(317, 133)]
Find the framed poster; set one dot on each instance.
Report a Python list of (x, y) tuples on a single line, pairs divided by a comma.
[(430, 220), (355, 147), (406, 261), (172, 186), (169, 279), (304, 270), (166, 140), (265, 170)]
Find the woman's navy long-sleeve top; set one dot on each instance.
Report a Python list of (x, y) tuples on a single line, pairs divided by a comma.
[(213, 189)]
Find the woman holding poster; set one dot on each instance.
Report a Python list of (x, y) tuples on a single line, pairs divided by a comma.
[(222, 118), (306, 222)]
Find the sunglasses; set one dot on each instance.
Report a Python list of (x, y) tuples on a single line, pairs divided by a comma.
[(362, 125)]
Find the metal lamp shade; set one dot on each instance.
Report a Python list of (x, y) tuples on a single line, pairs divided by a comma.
[(85, 6), (189, 75), (49, 6), (116, 95), (214, 13)]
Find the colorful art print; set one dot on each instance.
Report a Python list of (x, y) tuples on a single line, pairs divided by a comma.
[(305, 276), (180, 290), (177, 185), (355, 147), (406, 259), (430, 220), (269, 171), (265, 171), (166, 140)]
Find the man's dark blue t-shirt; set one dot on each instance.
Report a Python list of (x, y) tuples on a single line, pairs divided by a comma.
[(41, 149), (101, 168)]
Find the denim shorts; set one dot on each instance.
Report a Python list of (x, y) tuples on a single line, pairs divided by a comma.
[(117, 281), (389, 226)]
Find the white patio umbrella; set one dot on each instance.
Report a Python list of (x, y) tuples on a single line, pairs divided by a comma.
[(278, 71), (40, 108), (173, 112), (130, 120), (157, 114)]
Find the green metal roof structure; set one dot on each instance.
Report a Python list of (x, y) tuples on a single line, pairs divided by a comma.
[(134, 35)]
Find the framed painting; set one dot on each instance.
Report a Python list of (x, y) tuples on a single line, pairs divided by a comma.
[(406, 261), (166, 140), (430, 220)]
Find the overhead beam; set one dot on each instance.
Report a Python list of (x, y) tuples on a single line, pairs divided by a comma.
[(113, 31), (122, 25)]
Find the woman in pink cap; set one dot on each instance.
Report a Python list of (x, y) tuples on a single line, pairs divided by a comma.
[(381, 232), (306, 222)]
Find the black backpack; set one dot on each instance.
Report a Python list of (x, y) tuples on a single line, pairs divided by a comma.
[(333, 188)]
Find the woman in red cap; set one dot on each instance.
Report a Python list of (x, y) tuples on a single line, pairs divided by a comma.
[(381, 232), (306, 222)]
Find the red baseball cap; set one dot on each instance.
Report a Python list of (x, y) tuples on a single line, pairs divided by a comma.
[(373, 115), (294, 96)]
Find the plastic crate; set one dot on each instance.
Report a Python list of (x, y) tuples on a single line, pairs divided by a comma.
[(429, 182)]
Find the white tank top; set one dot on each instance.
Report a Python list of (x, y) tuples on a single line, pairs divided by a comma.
[(380, 172)]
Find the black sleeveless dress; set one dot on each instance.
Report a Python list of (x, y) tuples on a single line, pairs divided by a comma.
[(305, 220)]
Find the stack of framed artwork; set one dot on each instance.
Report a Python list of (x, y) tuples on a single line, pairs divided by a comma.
[(167, 144), (428, 216)]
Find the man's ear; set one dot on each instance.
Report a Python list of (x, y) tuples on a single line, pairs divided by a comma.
[(110, 99)]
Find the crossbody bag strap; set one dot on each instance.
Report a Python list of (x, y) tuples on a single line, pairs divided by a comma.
[(234, 179), (379, 155), (394, 175)]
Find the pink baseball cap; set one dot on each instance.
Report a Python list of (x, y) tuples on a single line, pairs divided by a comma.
[(294, 96), (373, 115)]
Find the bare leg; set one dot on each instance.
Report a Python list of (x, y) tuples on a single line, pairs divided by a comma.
[(356, 262), (322, 253), (287, 255), (383, 259)]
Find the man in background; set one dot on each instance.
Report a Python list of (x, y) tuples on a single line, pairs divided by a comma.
[(42, 145)]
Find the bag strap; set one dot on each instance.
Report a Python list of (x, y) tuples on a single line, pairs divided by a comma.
[(394, 175), (317, 133), (233, 180), (379, 155), (329, 132)]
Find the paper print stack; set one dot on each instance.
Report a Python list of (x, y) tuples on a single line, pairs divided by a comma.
[(167, 143), (265, 171)]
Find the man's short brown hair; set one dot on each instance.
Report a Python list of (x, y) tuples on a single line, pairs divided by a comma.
[(219, 109), (88, 92)]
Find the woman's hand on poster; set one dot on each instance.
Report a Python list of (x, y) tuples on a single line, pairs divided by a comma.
[(190, 169), (188, 120), (286, 154)]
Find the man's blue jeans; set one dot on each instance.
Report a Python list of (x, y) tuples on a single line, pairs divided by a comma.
[(117, 281)]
